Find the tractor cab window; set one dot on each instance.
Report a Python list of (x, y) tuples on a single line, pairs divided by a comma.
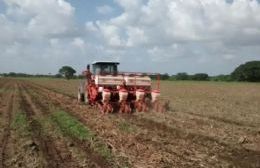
[(96, 69), (104, 68)]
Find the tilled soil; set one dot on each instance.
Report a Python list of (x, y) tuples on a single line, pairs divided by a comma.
[(93, 160), (50, 151), (178, 138), (173, 146), (38, 148), (6, 116)]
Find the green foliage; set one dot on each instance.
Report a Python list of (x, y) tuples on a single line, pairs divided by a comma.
[(165, 76), (200, 77), (58, 76), (103, 150), (125, 127), (80, 77), (13, 74), (250, 71), (226, 78), (67, 71), (71, 126), (23, 75), (182, 76), (20, 124)]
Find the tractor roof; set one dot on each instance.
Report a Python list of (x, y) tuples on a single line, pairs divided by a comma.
[(105, 62)]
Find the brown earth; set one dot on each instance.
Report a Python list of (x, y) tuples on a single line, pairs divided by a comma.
[(209, 125)]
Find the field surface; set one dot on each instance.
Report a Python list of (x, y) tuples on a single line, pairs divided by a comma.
[(208, 125)]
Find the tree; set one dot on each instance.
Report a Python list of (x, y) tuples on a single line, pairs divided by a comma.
[(67, 71), (182, 76), (250, 71), (200, 77), (165, 76)]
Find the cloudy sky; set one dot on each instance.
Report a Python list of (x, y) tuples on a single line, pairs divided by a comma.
[(211, 36)]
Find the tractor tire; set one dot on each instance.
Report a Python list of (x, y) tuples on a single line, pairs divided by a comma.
[(81, 97), (86, 98)]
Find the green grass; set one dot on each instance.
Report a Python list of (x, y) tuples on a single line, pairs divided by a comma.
[(5, 90), (48, 126), (102, 149), (21, 124), (71, 126), (125, 127)]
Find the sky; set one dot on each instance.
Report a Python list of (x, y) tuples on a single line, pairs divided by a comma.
[(166, 36)]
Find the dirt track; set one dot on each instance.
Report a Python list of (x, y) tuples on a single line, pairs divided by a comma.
[(173, 139), (43, 145), (6, 112), (55, 156), (50, 151)]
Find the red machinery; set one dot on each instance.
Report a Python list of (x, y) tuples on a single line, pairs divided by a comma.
[(111, 90)]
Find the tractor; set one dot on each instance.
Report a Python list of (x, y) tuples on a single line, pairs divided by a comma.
[(112, 91)]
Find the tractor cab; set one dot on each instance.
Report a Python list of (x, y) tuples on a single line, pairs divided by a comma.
[(105, 68)]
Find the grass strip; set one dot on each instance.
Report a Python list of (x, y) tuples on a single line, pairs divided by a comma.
[(21, 124), (125, 127), (70, 126)]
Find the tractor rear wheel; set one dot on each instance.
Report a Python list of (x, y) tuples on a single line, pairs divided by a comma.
[(81, 97), (86, 97)]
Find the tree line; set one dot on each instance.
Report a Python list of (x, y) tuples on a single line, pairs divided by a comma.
[(250, 71), (64, 72), (196, 77)]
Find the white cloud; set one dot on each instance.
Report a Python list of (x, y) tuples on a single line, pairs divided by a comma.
[(79, 43), (130, 4), (228, 56), (136, 36), (54, 41), (205, 29), (111, 34), (41, 18), (34, 31), (105, 9), (91, 27), (171, 36)]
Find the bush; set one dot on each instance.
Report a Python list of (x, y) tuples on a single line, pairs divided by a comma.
[(250, 71), (200, 77), (165, 76), (58, 76), (226, 78), (182, 76)]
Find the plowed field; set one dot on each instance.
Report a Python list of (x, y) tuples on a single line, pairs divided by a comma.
[(208, 125)]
